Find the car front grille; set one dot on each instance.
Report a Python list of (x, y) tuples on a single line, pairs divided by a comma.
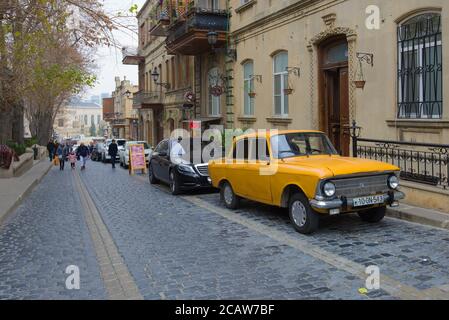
[(361, 186), (203, 169)]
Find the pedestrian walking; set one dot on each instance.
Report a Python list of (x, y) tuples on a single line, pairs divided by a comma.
[(72, 159), (112, 151), (60, 153), (83, 153), (51, 149)]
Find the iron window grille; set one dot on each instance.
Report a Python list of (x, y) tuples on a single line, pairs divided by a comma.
[(420, 66)]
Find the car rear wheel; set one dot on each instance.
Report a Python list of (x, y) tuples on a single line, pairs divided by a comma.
[(304, 219), (373, 215), (230, 199), (153, 179), (174, 184)]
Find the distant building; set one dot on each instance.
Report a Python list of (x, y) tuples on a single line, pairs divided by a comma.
[(95, 99), (124, 124), (79, 118)]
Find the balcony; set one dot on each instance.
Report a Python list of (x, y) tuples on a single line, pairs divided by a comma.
[(131, 57), (145, 99), (187, 35), (161, 18)]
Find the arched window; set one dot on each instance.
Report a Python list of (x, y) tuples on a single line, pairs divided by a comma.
[(92, 120), (214, 81), (420, 67), (248, 84), (280, 64)]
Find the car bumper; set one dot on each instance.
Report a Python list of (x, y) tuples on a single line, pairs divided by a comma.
[(347, 204), (194, 181)]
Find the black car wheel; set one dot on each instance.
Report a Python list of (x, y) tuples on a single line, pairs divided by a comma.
[(174, 184), (373, 215), (153, 179), (230, 199), (304, 219)]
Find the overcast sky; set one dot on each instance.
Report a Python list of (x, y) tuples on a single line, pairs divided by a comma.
[(109, 60)]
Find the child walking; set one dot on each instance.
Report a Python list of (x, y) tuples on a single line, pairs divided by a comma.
[(72, 159)]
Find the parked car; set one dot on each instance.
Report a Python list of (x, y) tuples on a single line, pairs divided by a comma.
[(124, 154), (97, 152), (105, 155), (171, 164), (302, 171)]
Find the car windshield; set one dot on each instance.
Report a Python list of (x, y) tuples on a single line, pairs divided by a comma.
[(121, 142), (194, 151), (299, 144)]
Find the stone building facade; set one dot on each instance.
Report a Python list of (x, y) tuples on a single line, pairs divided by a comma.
[(326, 63), (124, 121)]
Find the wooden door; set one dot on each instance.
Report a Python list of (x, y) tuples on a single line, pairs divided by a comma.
[(345, 138), (337, 108)]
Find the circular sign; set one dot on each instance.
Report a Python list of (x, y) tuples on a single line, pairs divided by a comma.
[(189, 96), (216, 91)]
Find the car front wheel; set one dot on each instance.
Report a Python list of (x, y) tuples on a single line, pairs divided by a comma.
[(153, 179), (230, 199), (174, 184), (373, 215), (304, 219)]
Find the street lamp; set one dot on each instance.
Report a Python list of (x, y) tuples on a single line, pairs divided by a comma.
[(155, 75), (128, 94), (212, 38)]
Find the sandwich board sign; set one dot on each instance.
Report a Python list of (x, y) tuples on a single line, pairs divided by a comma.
[(137, 158)]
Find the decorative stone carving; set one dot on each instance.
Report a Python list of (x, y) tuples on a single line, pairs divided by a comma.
[(329, 20)]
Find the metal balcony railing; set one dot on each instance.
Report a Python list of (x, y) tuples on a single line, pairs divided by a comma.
[(199, 19), (146, 97)]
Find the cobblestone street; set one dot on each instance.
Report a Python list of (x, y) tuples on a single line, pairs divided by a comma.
[(133, 240)]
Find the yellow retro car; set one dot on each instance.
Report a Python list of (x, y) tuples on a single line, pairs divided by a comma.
[(302, 171)]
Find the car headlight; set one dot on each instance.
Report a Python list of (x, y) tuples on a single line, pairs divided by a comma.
[(329, 189), (185, 169), (393, 182)]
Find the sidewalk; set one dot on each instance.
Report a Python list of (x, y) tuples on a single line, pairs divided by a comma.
[(14, 190), (420, 215)]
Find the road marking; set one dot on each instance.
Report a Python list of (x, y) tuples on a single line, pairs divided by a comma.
[(391, 286), (117, 279)]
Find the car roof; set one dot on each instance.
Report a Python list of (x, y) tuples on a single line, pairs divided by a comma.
[(269, 133)]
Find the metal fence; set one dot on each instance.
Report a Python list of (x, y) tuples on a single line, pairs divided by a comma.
[(419, 162)]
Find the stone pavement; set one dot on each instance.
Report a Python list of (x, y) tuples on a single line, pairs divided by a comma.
[(14, 190), (191, 247)]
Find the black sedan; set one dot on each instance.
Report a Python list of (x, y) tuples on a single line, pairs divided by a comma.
[(180, 174)]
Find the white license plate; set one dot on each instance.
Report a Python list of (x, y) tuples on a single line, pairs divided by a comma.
[(367, 201)]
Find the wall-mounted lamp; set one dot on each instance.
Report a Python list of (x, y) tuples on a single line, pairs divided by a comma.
[(212, 38), (128, 93), (294, 70), (155, 75)]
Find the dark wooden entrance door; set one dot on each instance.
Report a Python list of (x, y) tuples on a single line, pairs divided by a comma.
[(334, 92), (337, 108), (158, 125)]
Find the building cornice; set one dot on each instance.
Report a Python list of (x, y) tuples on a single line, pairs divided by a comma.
[(286, 15)]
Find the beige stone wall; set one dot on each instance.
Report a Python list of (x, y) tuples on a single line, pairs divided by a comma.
[(269, 26)]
